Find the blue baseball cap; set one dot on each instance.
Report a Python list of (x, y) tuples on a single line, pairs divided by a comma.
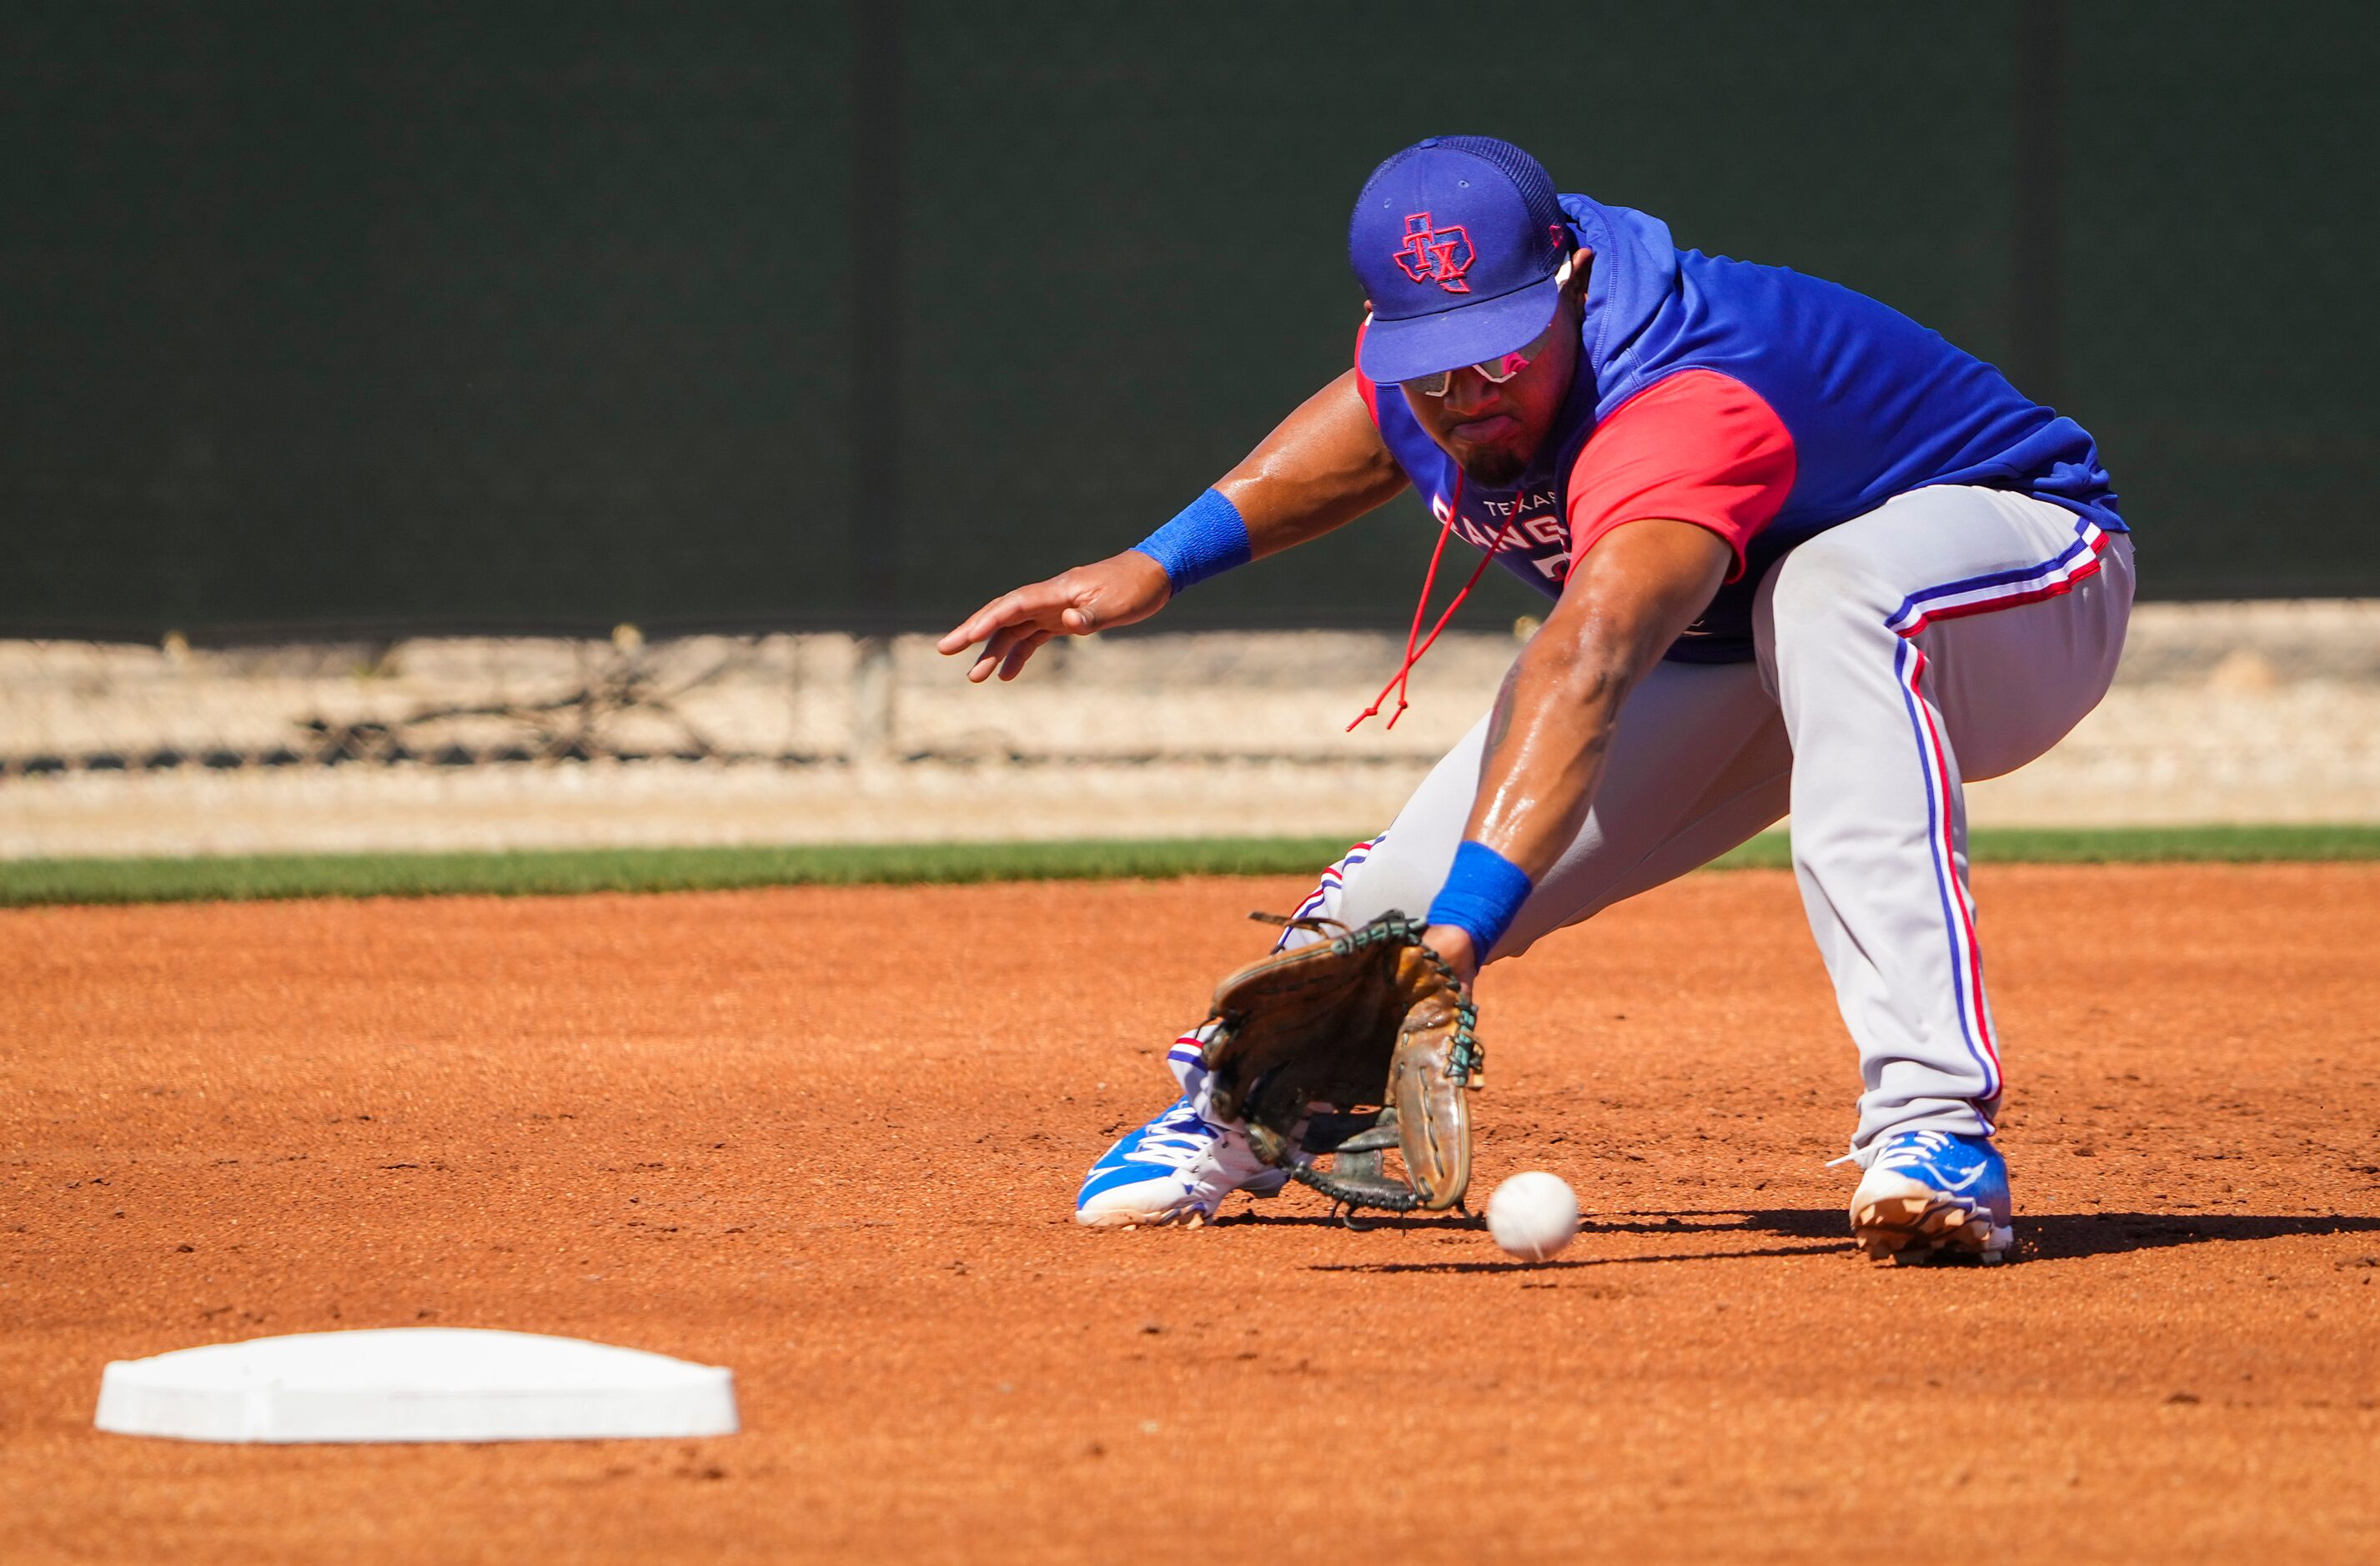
[(1458, 241)]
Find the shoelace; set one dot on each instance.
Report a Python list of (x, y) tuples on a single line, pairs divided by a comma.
[(1173, 1141), (1907, 1153), (1919, 1146), (1421, 607)]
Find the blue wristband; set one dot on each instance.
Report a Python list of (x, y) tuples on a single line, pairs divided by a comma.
[(1482, 891), (1208, 539)]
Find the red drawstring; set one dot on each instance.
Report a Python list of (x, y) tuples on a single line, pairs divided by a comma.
[(1421, 607)]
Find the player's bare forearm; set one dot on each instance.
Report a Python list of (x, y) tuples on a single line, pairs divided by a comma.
[(1629, 599), (1324, 466), (1320, 468), (1640, 587)]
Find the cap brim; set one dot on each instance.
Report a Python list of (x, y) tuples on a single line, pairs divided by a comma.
[(1472, 333)]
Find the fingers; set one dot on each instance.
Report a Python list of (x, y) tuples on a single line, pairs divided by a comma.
[(977, 625), (1008, 608), (1005, 653), (1014, 626), (995, 647), (984, 621), (1014, 664)]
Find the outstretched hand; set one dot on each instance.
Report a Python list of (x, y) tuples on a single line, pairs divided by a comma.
[(1099, 597)]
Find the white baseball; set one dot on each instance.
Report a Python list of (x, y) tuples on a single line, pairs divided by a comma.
[(1532, 1215)]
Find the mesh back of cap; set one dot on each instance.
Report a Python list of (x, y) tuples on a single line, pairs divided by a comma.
[(1527, 175)]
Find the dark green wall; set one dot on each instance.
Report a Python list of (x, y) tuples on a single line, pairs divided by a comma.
[(535, 316)]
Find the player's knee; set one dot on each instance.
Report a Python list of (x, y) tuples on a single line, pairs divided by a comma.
[(1388, 879), (1818, 583)]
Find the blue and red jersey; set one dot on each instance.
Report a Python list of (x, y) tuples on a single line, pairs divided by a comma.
[(1763, 404)]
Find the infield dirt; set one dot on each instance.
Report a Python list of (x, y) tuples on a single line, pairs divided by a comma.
[(830, 1138)]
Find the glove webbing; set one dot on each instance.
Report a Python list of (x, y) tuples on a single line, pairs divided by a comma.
[(1469, 1060), (1467, 1064)]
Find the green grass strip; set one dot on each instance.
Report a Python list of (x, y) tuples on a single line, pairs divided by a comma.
[(2120, 846), (543, 873), (557, 873)]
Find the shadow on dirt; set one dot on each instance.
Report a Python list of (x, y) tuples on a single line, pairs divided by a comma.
[(1572, 1264), (2047, 1235), (2054, 1236), (1826, 1226), (2043, 1236)]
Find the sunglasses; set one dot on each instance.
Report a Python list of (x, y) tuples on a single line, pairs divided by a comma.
[(1502, 367)]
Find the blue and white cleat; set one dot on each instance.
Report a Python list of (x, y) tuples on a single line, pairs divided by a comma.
[(1177, 1168), (1929, 1194)]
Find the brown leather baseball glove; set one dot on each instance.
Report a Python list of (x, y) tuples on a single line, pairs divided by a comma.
[(1347, 1049)]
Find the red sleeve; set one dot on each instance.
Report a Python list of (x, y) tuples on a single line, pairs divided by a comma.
[(1696, 446)]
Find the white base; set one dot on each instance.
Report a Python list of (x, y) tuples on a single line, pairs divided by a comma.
[(414, 1384)]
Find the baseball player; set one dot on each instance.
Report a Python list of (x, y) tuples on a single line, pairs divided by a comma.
[(1804, 556)]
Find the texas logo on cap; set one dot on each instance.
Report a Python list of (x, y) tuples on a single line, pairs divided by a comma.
[(1436, 255), (1459, 243)]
